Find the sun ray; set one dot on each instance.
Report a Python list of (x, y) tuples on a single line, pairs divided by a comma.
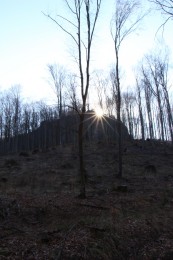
[(98, 119), (98, 112), (91, 118), (104, 118)]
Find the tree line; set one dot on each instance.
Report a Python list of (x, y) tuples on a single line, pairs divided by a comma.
[(146, 108), (38, 126)]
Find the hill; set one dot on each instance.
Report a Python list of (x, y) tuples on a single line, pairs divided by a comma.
[(131, 218)]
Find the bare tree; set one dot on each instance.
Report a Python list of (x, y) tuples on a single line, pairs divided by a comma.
[(109, 103), (159, 72), (58, 77), (73, 101), (166, 7), (129, 101), (162, 69), (169, 110), (83, 43), (10, 115), (101, 87), (147, 86), (15, 96), (155, 73), (122, 25), (140, 108), (1, 116)]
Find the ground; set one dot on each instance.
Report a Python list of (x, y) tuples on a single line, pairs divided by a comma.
[(41, 216)]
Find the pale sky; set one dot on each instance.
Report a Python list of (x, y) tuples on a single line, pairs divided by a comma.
[(29, 41)]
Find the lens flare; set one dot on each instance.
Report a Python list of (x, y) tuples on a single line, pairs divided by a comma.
[(98, 112)]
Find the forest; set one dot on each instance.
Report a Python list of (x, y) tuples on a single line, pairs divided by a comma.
[(146, 109), (79, 181)]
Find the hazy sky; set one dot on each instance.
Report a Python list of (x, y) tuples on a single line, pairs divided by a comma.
[(29, 41)]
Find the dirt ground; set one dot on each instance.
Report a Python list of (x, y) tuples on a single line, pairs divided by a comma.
[(41, 216)]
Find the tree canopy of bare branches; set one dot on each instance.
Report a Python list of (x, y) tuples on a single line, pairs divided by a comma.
[(166, 7)]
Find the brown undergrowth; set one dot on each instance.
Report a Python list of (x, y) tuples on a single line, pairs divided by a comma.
[(132, 218)]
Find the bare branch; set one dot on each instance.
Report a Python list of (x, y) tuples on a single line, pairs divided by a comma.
[(123, 13), (70, 8), (83, 47), (61, 27), (167, 7), (96, 17), (67, 20), (163, 25)]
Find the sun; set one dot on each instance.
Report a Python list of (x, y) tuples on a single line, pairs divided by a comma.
[(98, 112)]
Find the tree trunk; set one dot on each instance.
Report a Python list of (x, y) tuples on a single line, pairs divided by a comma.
[(119, 117), (81, 156)]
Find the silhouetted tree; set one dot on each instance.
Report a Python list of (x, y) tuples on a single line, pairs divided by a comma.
[(129, 101), (85, 15), (122, 25), (58, 77), (140, 108), (58, 81), (149, 100)]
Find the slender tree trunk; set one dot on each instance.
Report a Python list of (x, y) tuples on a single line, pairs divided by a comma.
[(119, 116), (169, 113), (83, 45), (142, 124), (158, 96), (148, 105), (81, 156)]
